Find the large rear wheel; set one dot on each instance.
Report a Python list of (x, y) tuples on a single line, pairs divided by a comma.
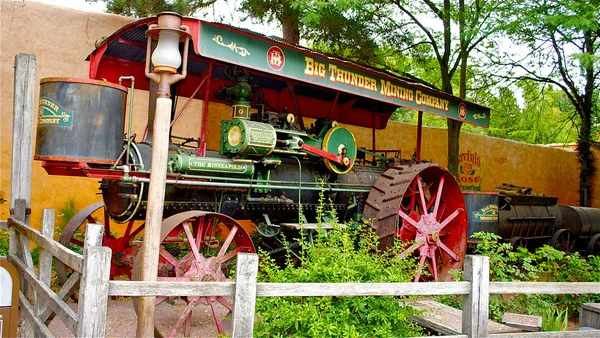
[(424, 206)]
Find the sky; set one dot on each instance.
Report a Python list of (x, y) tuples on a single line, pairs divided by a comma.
[(223, 11)]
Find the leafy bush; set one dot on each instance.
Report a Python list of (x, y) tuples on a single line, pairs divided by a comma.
[(3, 243), (340, 256), (546, 264)]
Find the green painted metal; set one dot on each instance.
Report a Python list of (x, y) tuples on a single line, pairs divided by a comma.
[(248, 138), (262, 54), (186, 163)]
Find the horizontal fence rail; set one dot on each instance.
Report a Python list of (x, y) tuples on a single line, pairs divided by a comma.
[(474, 321)]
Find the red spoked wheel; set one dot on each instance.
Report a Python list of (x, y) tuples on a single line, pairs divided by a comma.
[(423, 205), (195, 246), (123, 250)]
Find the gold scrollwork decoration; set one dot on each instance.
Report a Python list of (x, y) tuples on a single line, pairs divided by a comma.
[(218, 39)]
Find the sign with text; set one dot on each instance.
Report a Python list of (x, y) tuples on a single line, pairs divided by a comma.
[(470, 174), (252, 51)]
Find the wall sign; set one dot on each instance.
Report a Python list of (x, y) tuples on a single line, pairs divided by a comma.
[(470, 174)]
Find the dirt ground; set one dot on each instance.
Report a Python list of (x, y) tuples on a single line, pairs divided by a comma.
[(121, 320)]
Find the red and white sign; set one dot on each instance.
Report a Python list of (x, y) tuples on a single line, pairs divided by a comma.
[(275, 58), (462, 110)]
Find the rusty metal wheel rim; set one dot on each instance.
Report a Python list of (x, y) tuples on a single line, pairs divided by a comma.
[(120, 246)]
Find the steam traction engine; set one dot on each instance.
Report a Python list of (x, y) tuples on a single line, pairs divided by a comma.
[(269, 167)]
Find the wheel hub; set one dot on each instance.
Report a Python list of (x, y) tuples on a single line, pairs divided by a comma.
[(203, 270)]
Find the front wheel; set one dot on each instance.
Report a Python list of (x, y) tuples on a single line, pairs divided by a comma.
[(195, 246)]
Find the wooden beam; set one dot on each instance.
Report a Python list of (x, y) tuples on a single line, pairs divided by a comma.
[(245, 295), (544, 288), (47, 296), (476, 303), (156, 195), (70, 258), (45, 264), (93, 293), (170, 289), (22, 141), (38, 327)]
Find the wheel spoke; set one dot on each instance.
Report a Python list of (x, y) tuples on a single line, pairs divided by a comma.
[(441, 212), (224, 302), (168, 257), (226, 244), (77, 242), (184, 315), (438, 195), (410, 249), (409, 220), (217, 317), (200, 231), (434, 267), (422, 195), (160, 299), (188, 324), (450, 218), (128, 230), (190, 238), (231, 254), (106, 222), (421, 262), (447, 250), (137, 230)]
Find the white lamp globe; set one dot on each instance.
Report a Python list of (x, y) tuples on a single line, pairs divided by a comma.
[(167, 53)]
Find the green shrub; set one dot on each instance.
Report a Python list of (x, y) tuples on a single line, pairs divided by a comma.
[(340, 256), (4, 243), (546, 264)]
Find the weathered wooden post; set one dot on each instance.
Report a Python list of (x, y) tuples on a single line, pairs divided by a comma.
[(45, 267), (93, 293), (245, 295), (22, 142), (476, 303), (166, 60)]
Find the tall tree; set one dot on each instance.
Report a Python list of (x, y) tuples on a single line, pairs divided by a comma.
[(144, 8), (562, 40), (423, 30), (476, 19), (280, 11)]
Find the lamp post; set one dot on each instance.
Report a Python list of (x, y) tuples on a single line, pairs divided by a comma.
[(167, 59)]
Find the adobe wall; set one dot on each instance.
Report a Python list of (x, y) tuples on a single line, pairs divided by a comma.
[(62, 38)]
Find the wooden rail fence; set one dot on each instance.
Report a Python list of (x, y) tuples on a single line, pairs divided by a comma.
[(91, 276)]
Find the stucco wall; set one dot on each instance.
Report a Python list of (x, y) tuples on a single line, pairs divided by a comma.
[(62, 38)]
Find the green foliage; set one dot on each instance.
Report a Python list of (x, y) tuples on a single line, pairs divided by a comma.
[(65, 213), (545, 264), (340, 256), (4, 239), (554, 319), (144, 8)]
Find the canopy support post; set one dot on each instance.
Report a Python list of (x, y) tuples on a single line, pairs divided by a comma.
[(419, 133)]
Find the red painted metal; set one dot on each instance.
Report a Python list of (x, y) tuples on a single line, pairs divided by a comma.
[(314, 150), (201, 151), (189, 100), (434, 219)]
